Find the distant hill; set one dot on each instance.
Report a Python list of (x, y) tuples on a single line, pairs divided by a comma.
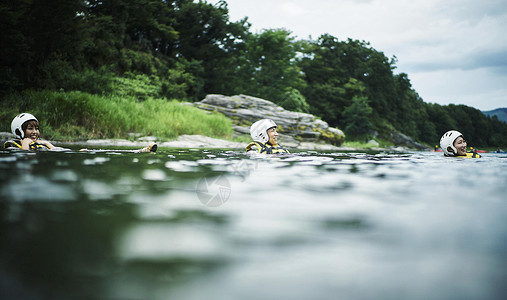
[(500, 113)]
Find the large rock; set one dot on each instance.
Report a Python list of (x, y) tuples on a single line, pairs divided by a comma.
[(399, 138), (294, 127)]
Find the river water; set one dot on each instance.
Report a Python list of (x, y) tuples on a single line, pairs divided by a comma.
[(219, 224)]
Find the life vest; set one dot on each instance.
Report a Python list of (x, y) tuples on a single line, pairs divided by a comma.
[(266, 148), (471, 155), (468, 155), (32, 146)]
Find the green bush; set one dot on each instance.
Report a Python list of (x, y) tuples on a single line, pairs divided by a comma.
[(59, 74), (294, 101), (140, 86)]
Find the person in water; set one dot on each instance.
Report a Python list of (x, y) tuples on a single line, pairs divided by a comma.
[(265, 137), (452, 143), (25, 127)]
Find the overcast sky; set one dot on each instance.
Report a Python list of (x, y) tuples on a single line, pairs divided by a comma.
[(454, 51)]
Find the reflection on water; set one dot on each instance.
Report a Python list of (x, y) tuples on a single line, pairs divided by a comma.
[(196, 224)]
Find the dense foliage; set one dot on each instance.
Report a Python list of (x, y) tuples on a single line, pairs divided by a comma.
[(185, 49)]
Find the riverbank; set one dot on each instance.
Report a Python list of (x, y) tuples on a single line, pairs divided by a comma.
[(199, 141), (217, 121), (66, 116)]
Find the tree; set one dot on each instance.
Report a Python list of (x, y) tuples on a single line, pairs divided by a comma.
[(14, 53), (357, 116), (440, 118), (206, 35), (269, 69), (36, 33)]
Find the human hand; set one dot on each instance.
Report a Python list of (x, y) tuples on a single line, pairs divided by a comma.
[(25, 143)]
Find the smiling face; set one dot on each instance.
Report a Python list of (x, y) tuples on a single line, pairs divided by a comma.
[(31, 130), (273, 136), (461, 145)]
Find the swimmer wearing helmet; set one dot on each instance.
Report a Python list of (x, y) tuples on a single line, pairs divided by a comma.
[(25, 127), (452, 143), (265, 137)]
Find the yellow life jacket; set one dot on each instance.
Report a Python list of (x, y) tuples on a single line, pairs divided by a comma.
[(32, 146), (471, 155), (266, 148)]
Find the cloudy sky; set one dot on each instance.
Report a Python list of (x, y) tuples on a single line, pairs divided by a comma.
[(454, 51)]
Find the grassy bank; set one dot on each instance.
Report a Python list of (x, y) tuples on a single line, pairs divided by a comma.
[(78, 116)]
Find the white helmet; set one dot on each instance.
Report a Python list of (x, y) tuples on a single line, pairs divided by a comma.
[(258, 130), (447, 140), (17, 123)]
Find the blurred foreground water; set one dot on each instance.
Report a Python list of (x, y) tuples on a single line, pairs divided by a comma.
[(218, 224)]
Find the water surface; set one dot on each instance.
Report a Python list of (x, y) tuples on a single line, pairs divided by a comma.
[(219, 224)]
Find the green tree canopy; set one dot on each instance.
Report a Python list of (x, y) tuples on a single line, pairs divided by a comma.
[(269, 70)]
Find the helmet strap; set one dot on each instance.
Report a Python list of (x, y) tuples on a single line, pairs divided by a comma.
[(19, 133)]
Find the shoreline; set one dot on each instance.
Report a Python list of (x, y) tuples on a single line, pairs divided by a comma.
[(199, 141)]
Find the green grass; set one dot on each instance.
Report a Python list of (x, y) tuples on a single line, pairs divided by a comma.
[(76, 116)]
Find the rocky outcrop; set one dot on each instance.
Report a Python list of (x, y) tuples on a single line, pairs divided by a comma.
[(295, 128), (400, 139)]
